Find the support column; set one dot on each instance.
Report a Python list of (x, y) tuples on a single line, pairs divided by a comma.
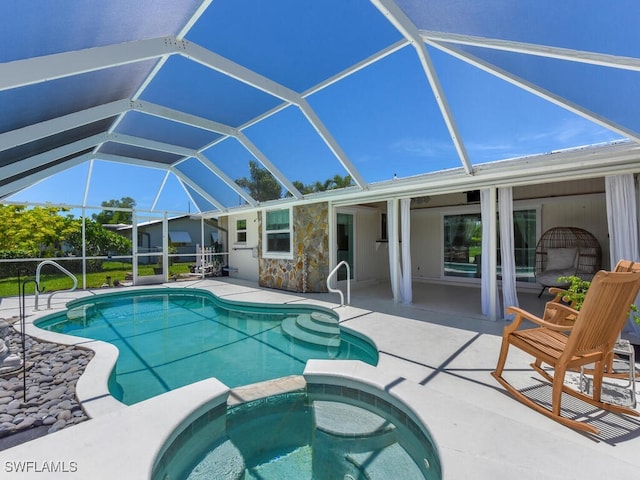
[(134, 246), (493, 255), (165, 248)]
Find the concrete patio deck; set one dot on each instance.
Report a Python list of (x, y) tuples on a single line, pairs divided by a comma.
[(439, 362)]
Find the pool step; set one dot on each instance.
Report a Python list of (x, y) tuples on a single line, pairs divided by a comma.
[(390, 462), (319, 317), (310, 324), (82, 312), (294, 464), (340, 420), (352, 442), (305, 328), (225, 461)]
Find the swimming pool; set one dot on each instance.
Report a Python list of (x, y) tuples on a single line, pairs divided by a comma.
[(168, 338)]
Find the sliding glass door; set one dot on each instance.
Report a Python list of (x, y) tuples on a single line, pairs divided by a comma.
[(462, 244)]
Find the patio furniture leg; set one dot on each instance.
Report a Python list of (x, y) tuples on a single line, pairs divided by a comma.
[(542, 291)]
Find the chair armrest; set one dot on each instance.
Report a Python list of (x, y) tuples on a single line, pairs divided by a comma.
[(558, 292), (559, 296), (559, 313), (523, 314), (566, 309)]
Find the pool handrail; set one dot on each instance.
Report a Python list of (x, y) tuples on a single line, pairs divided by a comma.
[(63, 270), (337, 290)]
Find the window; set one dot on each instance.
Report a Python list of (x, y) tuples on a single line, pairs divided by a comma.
[(277, 234), (383, 226), (524, 242), (462, 246), (241, 231)]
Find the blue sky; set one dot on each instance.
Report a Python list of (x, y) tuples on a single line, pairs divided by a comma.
[(384, 117)]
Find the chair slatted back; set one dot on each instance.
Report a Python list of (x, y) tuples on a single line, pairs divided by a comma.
[(604, 312), (627, 266)]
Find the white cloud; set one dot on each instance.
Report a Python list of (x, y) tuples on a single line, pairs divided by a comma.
[(419, 147), (573, 131)]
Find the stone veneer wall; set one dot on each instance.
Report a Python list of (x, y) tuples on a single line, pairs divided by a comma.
[(310, 240)]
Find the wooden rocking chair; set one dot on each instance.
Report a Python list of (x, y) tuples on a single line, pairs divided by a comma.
[(587, 340), (550, 312)]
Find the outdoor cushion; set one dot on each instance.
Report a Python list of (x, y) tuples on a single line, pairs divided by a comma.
[(561, 258), (549, 278)]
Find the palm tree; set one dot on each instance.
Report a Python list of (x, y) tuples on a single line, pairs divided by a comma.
[(339, 181)]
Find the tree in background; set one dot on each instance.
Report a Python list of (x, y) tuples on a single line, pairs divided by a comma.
[(34, 231), (109, 216), (337, 181), (46, 232), (261, 185), (99, 240), (300, 186)]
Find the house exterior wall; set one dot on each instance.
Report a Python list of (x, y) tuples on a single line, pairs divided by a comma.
[(426, 243), (371, 254), (588, 212), (308, 270), (584, 186)]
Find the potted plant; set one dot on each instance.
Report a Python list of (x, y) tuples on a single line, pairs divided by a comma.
[(574, 294)]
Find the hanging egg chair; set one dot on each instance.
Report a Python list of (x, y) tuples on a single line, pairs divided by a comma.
[(565, 252)]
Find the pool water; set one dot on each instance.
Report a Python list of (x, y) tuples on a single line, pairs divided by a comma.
[(170, 339), (302, 436)]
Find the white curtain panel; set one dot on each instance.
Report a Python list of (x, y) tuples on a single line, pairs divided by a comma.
[(622, 220), (487, 245), (507, 252), (405, 218), (394, 248)]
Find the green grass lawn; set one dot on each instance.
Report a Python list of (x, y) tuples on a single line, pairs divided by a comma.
[(59, 281), (474, 251)]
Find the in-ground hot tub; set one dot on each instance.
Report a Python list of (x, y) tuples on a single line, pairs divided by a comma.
[(321, 432)]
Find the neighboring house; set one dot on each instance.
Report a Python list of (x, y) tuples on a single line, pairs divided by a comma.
[(184, 234)]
